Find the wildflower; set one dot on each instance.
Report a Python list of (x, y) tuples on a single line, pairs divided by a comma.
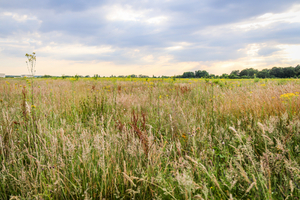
[(160, 96), (33, 106), (288, 96)]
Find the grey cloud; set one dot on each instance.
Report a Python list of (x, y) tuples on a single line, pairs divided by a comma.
[(57, 5), (69, 22), (265, 51)]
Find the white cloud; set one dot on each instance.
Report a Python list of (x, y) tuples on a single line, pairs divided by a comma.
[(178, 46), (174, 48), (290, 16), (19, 17), (127, 13), (264, 21), (148, 58), (156, 20), (291, 52)]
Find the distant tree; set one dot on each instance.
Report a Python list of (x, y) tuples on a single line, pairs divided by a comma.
[(265, 73), (233, 76), (188, 75), (143, 76), (224, 76), (96, 76), (244, 77), (212, 76), (277, 72), (235, 72), (244, 72), (201, 74), (46, 76), (249, 72), (288, 72), (297, 70), (87, 76)]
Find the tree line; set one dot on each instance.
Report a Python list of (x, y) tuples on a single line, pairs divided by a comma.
[(275, 72)]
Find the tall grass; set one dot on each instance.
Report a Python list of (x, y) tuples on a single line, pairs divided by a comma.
[(149, 139)]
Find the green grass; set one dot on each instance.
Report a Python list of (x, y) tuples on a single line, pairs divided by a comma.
[(134, 138)]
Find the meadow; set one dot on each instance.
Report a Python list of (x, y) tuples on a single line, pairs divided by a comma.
[(149, 138)]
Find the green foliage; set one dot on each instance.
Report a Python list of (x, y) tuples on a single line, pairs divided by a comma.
[(201, 74), (275, 72), (76, 77), (256, 80), (188, 75)]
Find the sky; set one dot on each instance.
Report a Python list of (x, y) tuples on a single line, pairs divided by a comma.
[(149, 37)]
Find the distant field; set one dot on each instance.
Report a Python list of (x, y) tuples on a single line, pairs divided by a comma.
[(138, 138)]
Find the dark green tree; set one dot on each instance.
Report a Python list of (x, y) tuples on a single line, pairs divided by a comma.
[(289, 72), (277, 72), (201, 74), (224, 76), (235, 72), (188, 75), (297, 70), (265, 73), (249, 72)]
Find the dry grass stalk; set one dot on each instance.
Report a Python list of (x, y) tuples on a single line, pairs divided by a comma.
[(141, 134)]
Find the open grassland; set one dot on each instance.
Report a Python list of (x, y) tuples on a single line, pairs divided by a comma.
[(149, 139)]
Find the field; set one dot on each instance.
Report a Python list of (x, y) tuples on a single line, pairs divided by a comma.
[(134, 138)]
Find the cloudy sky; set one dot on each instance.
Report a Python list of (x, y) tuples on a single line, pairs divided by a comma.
[(151, 37)]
